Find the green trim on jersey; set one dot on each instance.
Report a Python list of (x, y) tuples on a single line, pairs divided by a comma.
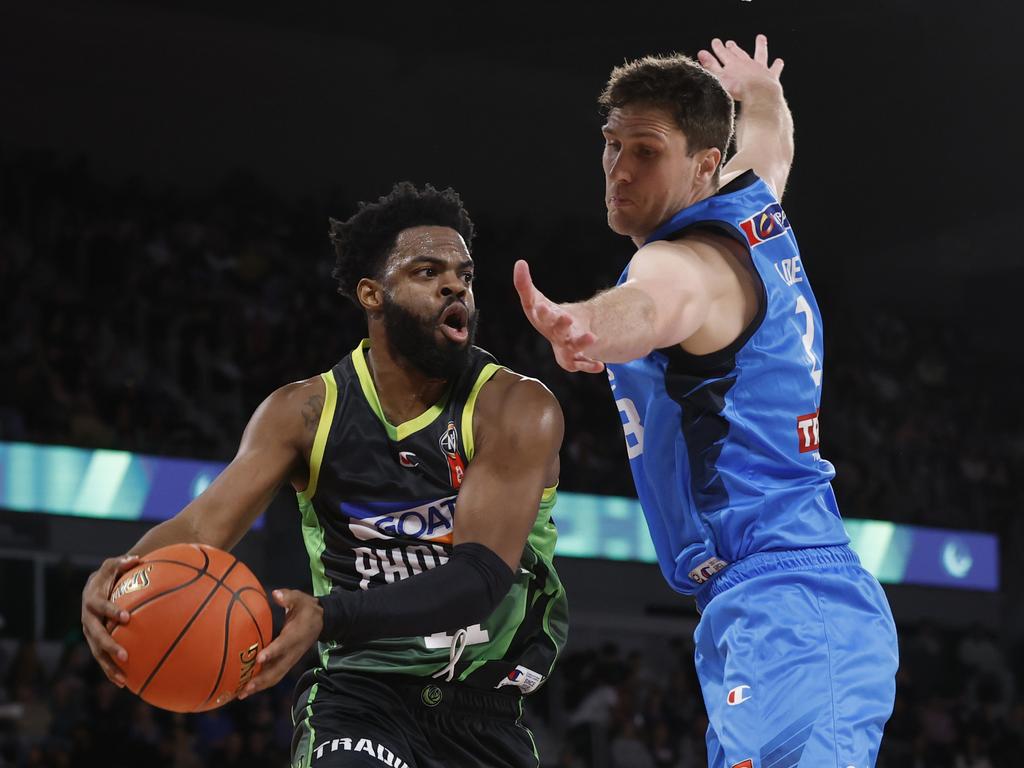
[(542, 540), (406, 428), (533, 742), (322, 430), (312, 532), (543, 535), (307, 741), (467, 412), (313, 536), (511, 612)]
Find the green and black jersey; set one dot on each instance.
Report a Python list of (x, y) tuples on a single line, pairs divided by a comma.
[(381, 506)]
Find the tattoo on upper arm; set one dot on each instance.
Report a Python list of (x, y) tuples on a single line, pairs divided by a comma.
[(311, 412)]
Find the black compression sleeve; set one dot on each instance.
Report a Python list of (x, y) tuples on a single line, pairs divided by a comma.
[(463, 591)]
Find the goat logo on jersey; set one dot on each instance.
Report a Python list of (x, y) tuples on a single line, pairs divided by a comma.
[(768, 223), (430, 520), (449, 444)]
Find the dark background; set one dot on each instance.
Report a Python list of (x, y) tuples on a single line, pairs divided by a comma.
[(903, 109), (166, 175)]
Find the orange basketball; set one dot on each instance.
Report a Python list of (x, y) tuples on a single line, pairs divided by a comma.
[(198, 619)]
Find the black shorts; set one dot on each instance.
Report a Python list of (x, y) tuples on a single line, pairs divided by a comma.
[(349, 720)]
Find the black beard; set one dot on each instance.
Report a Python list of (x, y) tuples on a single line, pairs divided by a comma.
[(415, 339)]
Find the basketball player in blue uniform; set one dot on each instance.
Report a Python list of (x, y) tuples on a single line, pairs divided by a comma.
[(713, 346)]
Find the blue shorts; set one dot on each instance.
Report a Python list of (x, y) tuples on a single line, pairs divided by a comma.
[(796, 654)]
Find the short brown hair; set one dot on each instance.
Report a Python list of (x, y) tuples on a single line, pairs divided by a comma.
[(695, 98)]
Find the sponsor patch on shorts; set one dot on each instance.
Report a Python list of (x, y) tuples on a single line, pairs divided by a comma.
[(707, 569), (525, 679)]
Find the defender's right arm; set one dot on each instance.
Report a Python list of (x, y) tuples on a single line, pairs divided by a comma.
[(764, 129), (274, 448)]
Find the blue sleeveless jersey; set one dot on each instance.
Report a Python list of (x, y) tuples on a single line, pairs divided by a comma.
[(724, 447)]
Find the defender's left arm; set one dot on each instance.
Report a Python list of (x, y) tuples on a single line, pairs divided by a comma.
[(764, 128), (664, 302)]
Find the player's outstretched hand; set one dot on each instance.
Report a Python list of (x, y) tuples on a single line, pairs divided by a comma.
[(303, 623), (98, 609), (738, 72), (564, 326)]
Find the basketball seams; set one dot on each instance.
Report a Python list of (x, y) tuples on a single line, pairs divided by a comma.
[(224, 653), (255, 621), (188, 625), (200, 572), (235, 600), (185, 580)]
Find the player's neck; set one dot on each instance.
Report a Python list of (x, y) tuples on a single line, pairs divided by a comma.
[(404, 390), (702, 193)]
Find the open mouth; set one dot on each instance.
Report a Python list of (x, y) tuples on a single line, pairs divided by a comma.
[(454, 322)]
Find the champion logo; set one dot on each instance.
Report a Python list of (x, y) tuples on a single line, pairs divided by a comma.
[(408, 459), (737, 695), (748, 763), (523, 678)]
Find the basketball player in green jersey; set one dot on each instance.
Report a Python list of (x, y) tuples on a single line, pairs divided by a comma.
[(425, 475)]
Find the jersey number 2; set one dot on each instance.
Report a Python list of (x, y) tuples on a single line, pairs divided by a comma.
[(803, 308)]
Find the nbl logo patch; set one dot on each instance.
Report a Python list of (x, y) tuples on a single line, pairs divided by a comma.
[(764, 225), (449, 441), (449, 444)]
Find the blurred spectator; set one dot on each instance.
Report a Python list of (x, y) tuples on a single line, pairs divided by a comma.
[(628, 750)]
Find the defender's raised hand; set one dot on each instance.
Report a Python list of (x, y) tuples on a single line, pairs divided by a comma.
[(563, 325), (735, 68)]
